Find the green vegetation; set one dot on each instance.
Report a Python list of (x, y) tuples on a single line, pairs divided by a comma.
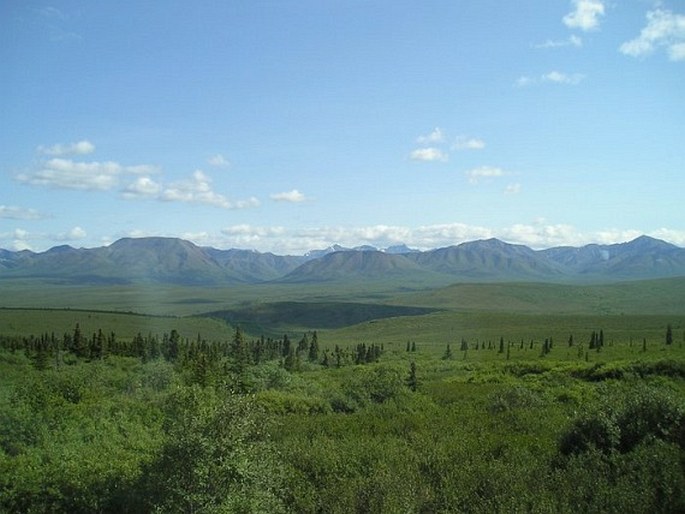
[(363, 407)]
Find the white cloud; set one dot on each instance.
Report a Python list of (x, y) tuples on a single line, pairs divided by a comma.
[(524, 81), (245, 229), (79, 148), (142, 187), (512, 189), (248, 203), (676, 52), (664, 29), (18, 213), (197, 189), (218, 161), (68, 174), (428, 154), (21, 240), (293, 196), (553, 77), (84, 176), (74, 234), (484, 172), (141, 169), (468, 143), (563, 78), (585, 15), (572, 40), (434, 137)]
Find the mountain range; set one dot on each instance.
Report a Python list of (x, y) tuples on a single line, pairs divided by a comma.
[(176, 261)]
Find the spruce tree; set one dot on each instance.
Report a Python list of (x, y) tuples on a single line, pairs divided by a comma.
[(314, 348), (448, 353), (412, 379)]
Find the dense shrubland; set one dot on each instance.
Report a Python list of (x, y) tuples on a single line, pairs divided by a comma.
[(164, 424)]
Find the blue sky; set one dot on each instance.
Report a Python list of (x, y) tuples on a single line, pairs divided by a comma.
[(290, 125)]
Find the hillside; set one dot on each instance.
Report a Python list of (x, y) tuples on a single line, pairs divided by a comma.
[(175, 261)]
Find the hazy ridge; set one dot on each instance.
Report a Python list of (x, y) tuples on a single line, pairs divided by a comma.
[(176, 261)]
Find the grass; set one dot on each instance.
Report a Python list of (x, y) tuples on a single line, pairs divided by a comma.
[(25, 321), (347, 314)]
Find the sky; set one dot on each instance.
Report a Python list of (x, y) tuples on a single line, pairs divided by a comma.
[(289, 125)]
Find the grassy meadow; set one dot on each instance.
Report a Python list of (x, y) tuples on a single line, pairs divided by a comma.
[(351, 402)]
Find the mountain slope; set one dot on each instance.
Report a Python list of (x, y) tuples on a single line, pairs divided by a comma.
[(489, 259), (175, 261), (353, 265), (644, 257)]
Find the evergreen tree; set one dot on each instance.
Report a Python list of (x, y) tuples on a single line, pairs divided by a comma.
[(79, 344), (290, 362), (412, 379), (303, 345), (174, 345), (239, 352), (285, 346), (314, 348), (98, 349), (448, 353), (41, 359)]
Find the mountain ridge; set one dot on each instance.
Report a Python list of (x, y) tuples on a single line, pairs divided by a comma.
[(178, 261)]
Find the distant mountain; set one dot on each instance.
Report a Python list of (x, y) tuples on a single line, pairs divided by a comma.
[(644, 257), (348, 265), (176, 261), (315, 254), (400, 249), (489, 259), (252, 266)]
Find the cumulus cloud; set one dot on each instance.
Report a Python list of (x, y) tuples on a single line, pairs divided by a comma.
[(69, 174), (484, 172), (18, 213), (74, 234), (664, 29), (428, 154), (468, 143), (436, 136), (585, 15), (142, 187), (197, 189), (563, 78), (573, 40), (218, 161), (552, 77), (79, 148), (86, 176), (293, 196)]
